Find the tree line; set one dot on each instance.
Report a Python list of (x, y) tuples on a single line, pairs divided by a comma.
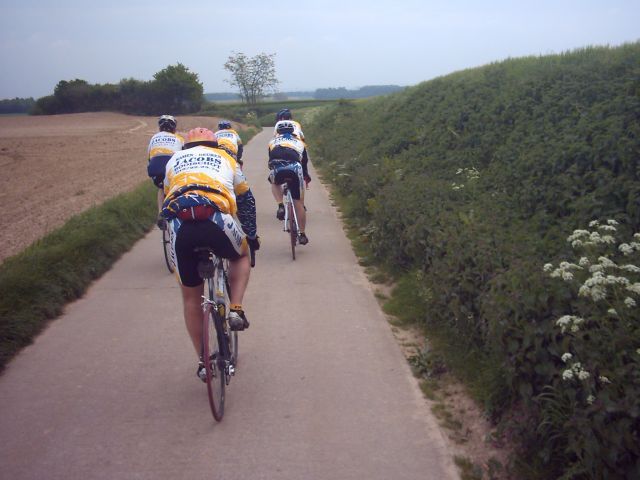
[(174, 89)]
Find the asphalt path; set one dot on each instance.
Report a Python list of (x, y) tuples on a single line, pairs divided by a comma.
[(322, 391)]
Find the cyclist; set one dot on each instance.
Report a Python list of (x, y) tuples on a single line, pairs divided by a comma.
[(161, 146), (209, 204), (229, 140), (285, 115), (288, 161)]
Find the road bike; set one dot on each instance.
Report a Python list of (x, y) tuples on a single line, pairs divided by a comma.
[(290, 218), (219, 342)]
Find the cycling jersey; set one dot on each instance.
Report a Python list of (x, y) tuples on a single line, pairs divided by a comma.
[(230, 140), (161, 146), (297, 129), (288, 160), (210, 174), (196, 179), (164, 143)]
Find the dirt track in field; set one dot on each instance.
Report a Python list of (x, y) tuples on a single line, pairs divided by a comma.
[(56, 166)]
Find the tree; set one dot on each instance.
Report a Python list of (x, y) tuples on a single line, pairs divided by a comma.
[(177, 90), (254, 77)]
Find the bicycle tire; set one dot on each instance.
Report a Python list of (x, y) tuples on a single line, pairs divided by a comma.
[(293, 231), (214, 367), (166, 248)]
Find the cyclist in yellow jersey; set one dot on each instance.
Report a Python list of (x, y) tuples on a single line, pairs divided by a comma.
[(161, 146), (209, 204), (285, 115), (229, 140), (288, 164)]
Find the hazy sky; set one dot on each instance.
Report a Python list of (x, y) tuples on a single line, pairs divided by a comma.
[(321, 43)]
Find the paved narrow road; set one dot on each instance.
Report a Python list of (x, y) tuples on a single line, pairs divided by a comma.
[(109, 391)]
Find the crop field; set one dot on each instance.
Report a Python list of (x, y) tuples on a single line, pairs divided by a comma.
[(57, 166)]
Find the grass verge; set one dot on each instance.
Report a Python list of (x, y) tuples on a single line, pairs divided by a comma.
[(38, 282)]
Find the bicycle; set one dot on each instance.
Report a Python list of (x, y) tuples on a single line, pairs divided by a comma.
[(290, 218), (166, 248), (219, 343)]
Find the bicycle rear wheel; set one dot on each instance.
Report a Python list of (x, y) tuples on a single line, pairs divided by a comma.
[(166, 247), (293, 230), (214, 366)]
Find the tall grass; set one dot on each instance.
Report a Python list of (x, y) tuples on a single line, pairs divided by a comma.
[(37, 283)]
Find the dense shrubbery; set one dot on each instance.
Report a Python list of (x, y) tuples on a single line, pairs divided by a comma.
[(174, 90), (470, 183)]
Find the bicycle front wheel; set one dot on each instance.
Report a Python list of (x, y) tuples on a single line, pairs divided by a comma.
[(293, 231), (166, 247), (214, 366)]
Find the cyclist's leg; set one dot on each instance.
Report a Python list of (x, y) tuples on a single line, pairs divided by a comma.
[(297, 192), (187, 237), (229, 241), (239, 271), (192, 310), (276, 191)]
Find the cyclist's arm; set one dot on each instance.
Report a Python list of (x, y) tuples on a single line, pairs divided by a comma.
[(247, 213), (305, 161), (246, 204), (240, 149)]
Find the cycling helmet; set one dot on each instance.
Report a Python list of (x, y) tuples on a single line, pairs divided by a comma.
[(284, 114), (200, 136), (285, 127), (167, 123), (224, 124)]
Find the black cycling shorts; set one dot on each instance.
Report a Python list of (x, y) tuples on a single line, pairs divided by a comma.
[(289, 173), (196, 234)]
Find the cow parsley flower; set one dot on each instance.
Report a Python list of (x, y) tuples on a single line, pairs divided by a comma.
[(606, 262), (604, 379), (567, 374), (591, 399), (625, 248), (566, 357), (635, 288), (629, 302)]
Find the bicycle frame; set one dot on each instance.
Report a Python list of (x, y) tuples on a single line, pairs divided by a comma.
[(288, 200), (217, 302)]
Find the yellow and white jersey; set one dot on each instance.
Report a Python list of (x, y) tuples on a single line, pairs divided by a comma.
[(229, 138), (206, 172), (297, 129), (288, 141), (164, 143)]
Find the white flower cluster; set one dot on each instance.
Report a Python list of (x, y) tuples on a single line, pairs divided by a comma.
[(471, 174), (575, 371), (571, 323), (602, 279), (580, 238)]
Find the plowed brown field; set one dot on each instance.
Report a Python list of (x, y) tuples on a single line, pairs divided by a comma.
[(56, 166)]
